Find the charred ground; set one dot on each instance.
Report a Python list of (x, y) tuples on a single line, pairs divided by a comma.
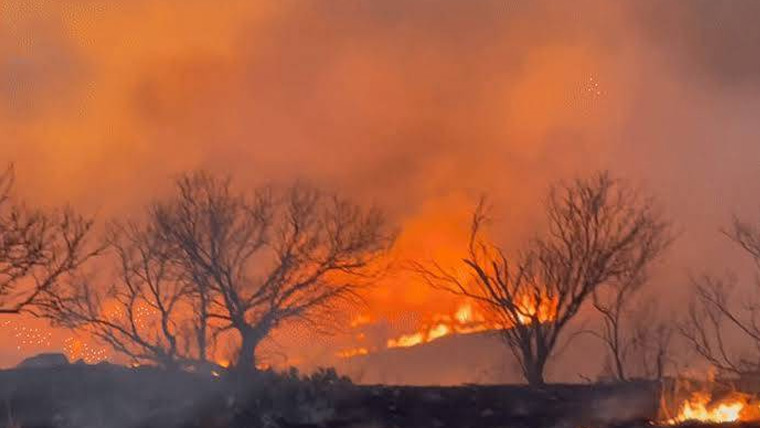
[(108, 396)]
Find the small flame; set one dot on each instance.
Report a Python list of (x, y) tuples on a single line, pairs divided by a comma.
[(406, 341), (360, 320), (438, 331), (349, 353), (528, 308), (464, 314)]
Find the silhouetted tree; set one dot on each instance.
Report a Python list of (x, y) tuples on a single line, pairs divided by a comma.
[(638, 339), (612, 308), (713, 316), (143, 313), (38, 250), (599, 232), (631, 334), (651, 341), (266, 257)]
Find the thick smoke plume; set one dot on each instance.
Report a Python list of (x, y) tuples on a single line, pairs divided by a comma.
[(418, 107)]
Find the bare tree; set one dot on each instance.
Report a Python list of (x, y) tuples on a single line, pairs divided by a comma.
[(714, 320), (38, 250), (267, 258), (599, 232), (652, 343), (143, 314), (612, 307), (638, 341)]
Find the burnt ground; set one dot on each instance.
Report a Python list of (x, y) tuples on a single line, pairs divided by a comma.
[(117, 397)]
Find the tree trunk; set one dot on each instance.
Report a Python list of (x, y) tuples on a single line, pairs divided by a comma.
[(534, 375), (246, 362), (534, 370), (202, 327), (619, 368)]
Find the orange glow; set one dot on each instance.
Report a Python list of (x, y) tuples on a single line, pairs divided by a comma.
[(528, 308), (360, 320), (464, 314), (407, 340), (349, 353), (466, 320), (438, 331), (132, 82), (700, 407)]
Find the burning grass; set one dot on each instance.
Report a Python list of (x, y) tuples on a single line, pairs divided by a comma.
[(466, 319), (707, 402)]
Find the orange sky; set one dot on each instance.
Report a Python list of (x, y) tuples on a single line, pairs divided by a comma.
[(417, 106)]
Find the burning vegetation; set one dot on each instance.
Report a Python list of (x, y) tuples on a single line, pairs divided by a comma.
[(210, 269), (700, 407)]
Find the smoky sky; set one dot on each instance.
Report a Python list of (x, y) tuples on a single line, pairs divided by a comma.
[(417, 106)]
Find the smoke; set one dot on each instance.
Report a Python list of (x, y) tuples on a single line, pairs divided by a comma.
[(418, 107)]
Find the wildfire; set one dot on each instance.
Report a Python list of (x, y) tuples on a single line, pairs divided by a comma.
[(464, 320), (529, 307), (700, 407), (348, 353)]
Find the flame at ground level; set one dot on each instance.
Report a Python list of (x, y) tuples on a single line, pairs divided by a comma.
[(465, 320), (702, 408)]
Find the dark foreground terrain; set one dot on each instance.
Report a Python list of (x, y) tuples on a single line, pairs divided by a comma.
[(108, 396)]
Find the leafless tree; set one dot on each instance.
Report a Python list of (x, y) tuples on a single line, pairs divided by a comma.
[(714, 321), (267, 257), (144, 314), (652, 343), (38, 250), (710, 317), (638, 340), (599, 232), (612, 305)]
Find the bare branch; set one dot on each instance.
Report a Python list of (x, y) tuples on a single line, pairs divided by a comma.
[(599, 232)]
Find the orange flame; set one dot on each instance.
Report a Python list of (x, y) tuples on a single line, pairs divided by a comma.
[(349, 353), (700, 407), (530, 307), (466, 320)]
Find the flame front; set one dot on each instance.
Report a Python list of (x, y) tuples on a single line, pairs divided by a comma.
[(437, 232), (466, 320), (700, 407)]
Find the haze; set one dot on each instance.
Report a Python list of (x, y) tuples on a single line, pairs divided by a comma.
[(418, 107)]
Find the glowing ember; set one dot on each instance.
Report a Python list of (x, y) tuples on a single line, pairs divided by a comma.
[(699, 407)]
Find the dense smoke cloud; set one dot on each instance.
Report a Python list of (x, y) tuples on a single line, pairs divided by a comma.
[(416, 106)]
